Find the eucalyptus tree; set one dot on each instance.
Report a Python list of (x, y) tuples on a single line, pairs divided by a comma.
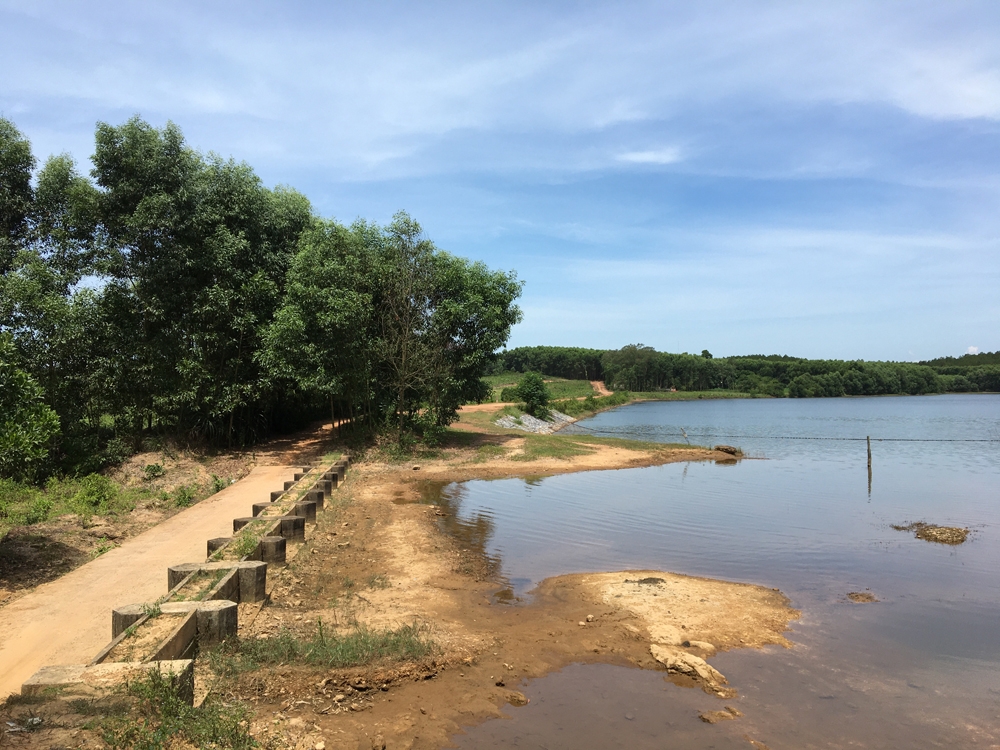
[(16, 195), (196, 253), (319, 341)]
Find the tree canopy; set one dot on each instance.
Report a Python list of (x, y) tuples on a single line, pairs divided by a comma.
[(171, 293)]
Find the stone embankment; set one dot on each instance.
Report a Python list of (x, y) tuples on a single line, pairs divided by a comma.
[(529, 423)]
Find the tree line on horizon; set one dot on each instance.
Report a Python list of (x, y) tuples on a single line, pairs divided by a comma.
[(169, 293), (641, 368)]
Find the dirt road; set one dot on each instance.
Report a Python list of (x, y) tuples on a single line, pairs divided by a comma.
[(68, 620)]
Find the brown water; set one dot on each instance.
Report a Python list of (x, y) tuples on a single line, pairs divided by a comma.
[(920, 668)]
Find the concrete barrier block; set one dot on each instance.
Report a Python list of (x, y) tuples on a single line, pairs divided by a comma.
[(97, 679), (297, 476), (293, 528), (289, 485), (253, 581), (177, 573), (217, 621), (316, 496), (239, 523), (218, 543), (180, 641), (276, 494), (306, 509), (272, 549), (259, 508), (124, 617)]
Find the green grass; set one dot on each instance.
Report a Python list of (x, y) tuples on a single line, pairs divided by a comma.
[(361, 647), (156, 716), (488, 452), (551, 446), (591, 404), (87, 496), (558, 387), (504, 378), (246, 541)]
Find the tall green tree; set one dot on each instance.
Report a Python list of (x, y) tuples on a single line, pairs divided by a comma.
[(27, 424), (16, 194)]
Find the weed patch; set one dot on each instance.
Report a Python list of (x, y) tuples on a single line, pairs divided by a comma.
[(551, 446), (160, 717), (361, 647)]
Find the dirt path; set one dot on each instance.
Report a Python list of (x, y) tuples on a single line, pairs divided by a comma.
[(67, 621), (600, 388)]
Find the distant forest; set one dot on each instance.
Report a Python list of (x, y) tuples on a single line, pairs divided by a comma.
[(170, 294), (642, 368)]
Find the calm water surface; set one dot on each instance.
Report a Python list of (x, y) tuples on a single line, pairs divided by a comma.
[(921, 668)]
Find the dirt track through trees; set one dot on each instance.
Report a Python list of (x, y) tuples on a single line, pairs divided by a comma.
[(68, 620)]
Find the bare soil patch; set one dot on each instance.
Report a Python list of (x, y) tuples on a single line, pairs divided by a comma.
[(600, 388)]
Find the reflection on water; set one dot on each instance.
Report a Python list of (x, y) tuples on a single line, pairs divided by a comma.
[(916, 669)]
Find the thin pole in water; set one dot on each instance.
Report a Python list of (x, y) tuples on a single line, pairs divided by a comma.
[(869, 440)]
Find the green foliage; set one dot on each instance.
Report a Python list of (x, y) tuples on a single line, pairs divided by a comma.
[(92, 495), (980, 359), (184, 495), (383, 327), (534, 394), (159, 717), (220, 310), (16, 195), (361, 647), (27, 424), (557, 361), (591, 404), (152, 471)]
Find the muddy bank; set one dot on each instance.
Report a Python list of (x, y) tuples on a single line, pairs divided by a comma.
[(379, 558), (384, 562)]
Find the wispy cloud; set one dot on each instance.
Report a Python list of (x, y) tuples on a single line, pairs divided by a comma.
[(775, 162), (669, 155)]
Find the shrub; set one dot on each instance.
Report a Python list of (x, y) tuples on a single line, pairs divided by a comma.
[(532, 391), (152, 471), (27, 424)]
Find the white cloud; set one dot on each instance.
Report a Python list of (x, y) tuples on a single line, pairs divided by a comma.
[(670, 155), (972, 350)]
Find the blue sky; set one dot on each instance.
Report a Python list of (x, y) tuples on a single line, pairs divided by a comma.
[(817, 179)]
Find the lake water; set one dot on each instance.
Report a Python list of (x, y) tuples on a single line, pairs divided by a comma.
[(920, 668)]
